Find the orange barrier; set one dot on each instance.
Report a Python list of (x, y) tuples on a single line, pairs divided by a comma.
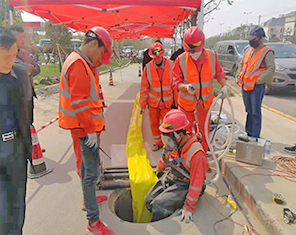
[(39, 168), (111, 79)]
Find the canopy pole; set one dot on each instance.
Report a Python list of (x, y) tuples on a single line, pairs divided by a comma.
[(200, 15), (11, 15)]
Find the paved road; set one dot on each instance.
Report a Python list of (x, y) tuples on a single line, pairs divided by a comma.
[(284, 101), (54, 201)]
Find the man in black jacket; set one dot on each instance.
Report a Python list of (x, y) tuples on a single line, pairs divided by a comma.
[(15, 138)]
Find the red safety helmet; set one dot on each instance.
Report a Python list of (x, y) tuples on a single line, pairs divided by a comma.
[(173, 121), (156, 50), (194, 40), (103, 34)]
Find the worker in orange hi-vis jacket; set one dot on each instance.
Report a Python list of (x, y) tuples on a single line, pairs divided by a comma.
[(81, 111), (156, 90), (182, 185), (194, 73)]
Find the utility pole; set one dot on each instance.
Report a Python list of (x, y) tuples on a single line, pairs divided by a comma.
[(10, 14), (247, 14), (200, 15), (259, 19)]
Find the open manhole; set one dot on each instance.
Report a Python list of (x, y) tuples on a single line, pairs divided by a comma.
[(120, 203)]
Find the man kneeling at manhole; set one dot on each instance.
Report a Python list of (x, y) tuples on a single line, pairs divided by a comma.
[(183, 184)]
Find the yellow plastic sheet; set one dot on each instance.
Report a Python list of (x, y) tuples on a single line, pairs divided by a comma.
[(141, 174)]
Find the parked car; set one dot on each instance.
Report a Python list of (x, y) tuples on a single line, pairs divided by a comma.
[(43, 43), (285, 66), (230, 53)]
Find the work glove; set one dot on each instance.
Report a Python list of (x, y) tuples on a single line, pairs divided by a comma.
[(142, 111), (191, 90), (91, 141), (186, 216), (224, 92)]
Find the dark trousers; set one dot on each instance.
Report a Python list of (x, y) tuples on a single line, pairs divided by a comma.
[(30, 105), (165, 197), (253, 101), (90, 172), (13, 180)]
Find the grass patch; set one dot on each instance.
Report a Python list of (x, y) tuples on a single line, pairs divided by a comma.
[(114, 64), (48, 70), (53, 69)]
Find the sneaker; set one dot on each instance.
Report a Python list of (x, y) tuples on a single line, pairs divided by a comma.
[(156, 147), (98, 229), (100, 200), (291, 149)]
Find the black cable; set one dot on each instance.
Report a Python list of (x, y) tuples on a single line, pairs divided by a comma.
[(221, 220), (216, 128)]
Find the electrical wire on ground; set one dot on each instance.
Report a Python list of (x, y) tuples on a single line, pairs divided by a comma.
[(286, 168)]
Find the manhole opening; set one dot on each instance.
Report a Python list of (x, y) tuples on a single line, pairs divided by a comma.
[(123, 205)]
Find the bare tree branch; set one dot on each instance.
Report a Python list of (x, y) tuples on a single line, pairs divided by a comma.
[(211, 9), (208, 3)]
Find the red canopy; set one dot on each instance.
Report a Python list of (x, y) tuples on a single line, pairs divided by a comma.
[(123, 19)]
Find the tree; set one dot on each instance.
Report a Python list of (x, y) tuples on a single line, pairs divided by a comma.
[(209, 7), (4, 15), (58, 34), (16, 21), (235, 34)]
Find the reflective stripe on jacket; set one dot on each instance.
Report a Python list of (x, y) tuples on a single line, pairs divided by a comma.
[(160, 89), (251, 70), (202, 81), (68, 110)]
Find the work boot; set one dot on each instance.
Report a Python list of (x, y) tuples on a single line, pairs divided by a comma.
[(291, 149), (98, 229), (156, 147), (100, 200)]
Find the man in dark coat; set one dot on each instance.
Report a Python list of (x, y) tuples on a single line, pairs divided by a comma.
[(15, 138)]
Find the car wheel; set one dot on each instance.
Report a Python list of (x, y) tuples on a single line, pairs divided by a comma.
[(268, 89)]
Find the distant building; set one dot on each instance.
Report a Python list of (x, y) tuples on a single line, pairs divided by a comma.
[(290, 24), (275, 27), (33, 27)]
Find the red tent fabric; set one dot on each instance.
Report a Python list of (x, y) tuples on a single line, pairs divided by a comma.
[(123, 19)]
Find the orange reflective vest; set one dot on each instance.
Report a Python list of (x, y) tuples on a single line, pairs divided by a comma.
[(251, 70), (189, 150), (202, 81), (160, 88), (67, 114)]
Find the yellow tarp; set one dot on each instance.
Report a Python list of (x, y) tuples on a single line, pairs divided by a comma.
[(141, 174)]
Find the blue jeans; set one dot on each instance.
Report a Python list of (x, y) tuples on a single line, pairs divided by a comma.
[(90, 172), (13, 180), (253, 101)]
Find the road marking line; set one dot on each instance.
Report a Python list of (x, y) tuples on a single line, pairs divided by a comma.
[(265, 106)]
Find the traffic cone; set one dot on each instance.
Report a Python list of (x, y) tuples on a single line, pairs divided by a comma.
[(140, 73), (101, 96), (111, 79), (39, 168)]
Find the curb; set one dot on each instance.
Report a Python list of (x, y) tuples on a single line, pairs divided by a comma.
[(265, 106), (52, 89), (248, 201)]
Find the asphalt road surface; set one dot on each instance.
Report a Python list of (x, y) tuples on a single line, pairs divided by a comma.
[(281, 100)]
